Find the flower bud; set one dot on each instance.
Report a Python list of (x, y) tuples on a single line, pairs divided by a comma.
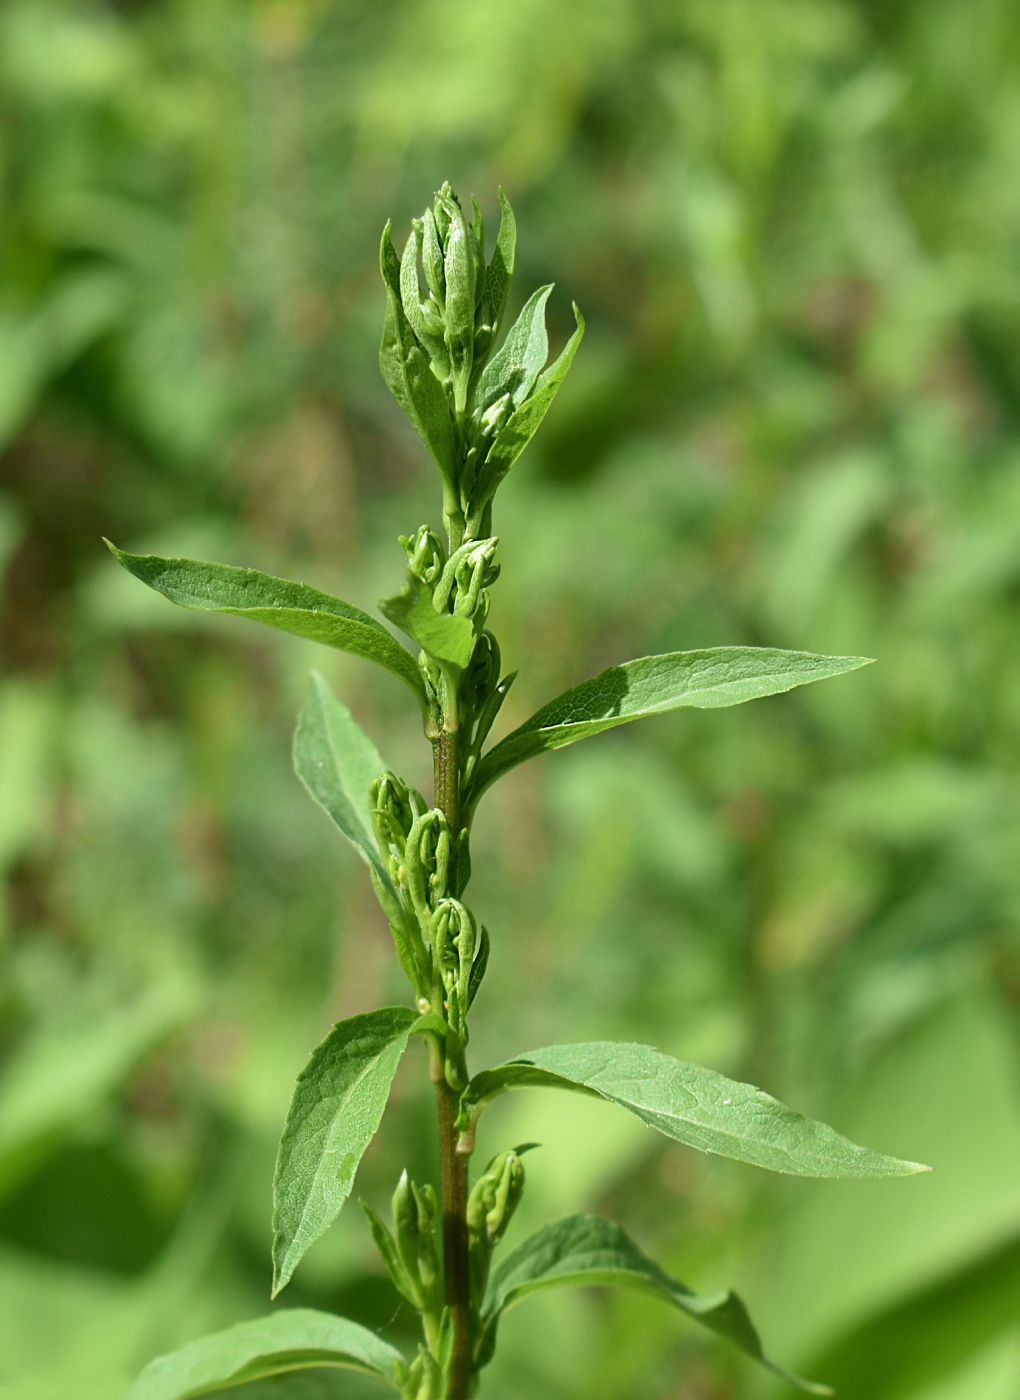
[(426, 556), (460, 272), (454, 938), (414, 1216), (393, 806), (491, 1205), (426, 865), (460, 586), (432, 260), (495, 1197), (424, 1377), (425, 319)]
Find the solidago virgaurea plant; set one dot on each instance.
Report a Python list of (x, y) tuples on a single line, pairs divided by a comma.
[(476, 402)]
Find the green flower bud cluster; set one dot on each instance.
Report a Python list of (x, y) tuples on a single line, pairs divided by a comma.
[(475, 410), (480, 698), (455, 321), (437, 938), (491, 1205), (457, 584), (411, 1255)]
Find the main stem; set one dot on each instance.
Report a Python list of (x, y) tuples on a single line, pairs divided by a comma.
[(453, 1165)]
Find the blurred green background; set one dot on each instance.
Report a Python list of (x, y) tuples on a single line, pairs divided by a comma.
[(794, 228)]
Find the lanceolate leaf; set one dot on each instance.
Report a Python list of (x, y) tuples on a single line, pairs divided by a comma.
[(588, 1249), (338, 763), (501, 269), (650, 686), (408, 373), (284, 1341), (450, 640), (693, 1105), (291, 607), (514, 436), (338, 1102), (520, 359)]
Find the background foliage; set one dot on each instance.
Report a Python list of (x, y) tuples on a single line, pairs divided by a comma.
[(794, 228)]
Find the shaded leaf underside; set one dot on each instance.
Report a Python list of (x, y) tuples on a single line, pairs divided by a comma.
[(587, 1250)]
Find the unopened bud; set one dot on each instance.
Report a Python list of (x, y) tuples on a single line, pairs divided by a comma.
[(426, 557), (495, 1197), (393, 806), (426, 867), (432, 259)]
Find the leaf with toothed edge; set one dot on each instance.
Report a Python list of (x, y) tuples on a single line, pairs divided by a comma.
[(337, 1106)]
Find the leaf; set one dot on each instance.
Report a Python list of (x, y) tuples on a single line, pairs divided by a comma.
[(449, 639), (284, 1341), (337, 1105), (74, 1060), (409, 376), (517, 432), (291, 607), (338, 763), (920, 1341), (501, 269), (652, 685), (692, 1105), (521, 357), (587, 1250)]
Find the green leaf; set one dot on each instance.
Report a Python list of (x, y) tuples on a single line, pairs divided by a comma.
[(291, 607), (338, 763), (337, 1105), (651, 686), (919, 1341), (449, 639), (517, 432), (501, 269), (521, 357), (693, 1105), (587, 1250), (407, 371), (284, 1341)]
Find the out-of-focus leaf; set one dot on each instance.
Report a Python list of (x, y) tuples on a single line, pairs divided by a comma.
[(693, 1105), (27, 720), (338, 763), (514, 436), (449, 639), (36, 347), (338, 1102), (291, 607), (68, 1066), (919, 1342), (653, 685), (521, 357), (284, 1341), (589, 1249)]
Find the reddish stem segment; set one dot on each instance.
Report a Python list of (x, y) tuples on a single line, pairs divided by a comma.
[(453, 1165)]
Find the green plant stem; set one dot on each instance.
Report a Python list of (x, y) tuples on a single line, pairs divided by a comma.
[(453, 1165)]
